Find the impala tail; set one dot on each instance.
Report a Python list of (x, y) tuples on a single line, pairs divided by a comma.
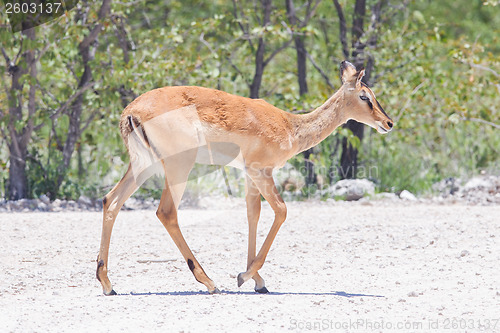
[(144, 161), (130, 124)]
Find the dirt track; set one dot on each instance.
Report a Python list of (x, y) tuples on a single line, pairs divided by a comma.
[(334, 266)]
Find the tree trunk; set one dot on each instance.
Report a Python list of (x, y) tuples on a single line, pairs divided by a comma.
[(301, 64), (19, 138), (302, 80), (18, 182), (74, 131), (259, 55), (311, 177), (349, 157), (259, 69), (87, 48)]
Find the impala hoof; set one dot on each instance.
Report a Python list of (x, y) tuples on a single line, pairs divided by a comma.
[(240, 280), (111, 293), (215, 291), (262, 290)]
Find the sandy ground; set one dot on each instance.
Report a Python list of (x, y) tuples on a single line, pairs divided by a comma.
[(377, 266)]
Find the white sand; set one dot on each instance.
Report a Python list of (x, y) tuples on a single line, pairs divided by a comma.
[(334, 266)]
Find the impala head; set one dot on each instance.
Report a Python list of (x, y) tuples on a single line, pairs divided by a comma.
[(361, 101)]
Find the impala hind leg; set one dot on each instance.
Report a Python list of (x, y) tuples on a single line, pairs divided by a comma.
[(265, 183), (253, 214), (112, 203), (167, 213)]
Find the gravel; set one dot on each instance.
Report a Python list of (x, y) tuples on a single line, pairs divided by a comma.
[(369, 265)]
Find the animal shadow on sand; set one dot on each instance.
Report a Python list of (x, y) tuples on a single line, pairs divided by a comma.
[(229, 292)]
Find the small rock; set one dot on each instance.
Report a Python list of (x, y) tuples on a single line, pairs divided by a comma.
[(407, 195), (43, 207), (12, 205), (83, 200), (133, 203), (478, 183), (45, 199), (70, 204), (413, 294), (352, 189), (22, 202), (448, 186), (464, 253)]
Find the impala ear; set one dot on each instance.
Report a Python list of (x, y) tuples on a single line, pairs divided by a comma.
[(360, 75), (347, 72)]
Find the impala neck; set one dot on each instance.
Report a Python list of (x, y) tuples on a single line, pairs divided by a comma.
[(312, 128)]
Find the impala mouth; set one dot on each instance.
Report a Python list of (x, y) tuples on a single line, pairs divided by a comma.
[(381, 129)]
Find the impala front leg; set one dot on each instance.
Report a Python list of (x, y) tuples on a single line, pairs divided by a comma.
[(265, 184), (253, 213)]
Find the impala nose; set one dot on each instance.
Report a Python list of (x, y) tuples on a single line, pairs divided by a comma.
[(390, 124)]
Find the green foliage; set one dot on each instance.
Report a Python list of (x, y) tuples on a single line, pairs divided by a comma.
[(436, 74), (437, 100)]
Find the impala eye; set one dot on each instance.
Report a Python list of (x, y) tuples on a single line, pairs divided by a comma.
[(364, 98)]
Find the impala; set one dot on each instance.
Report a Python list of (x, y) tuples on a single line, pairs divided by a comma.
[(172, 128)]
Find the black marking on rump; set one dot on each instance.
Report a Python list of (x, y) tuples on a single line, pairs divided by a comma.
[(145, 136), (137, 124), (99, 265), (130, 126), (191, 265)]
